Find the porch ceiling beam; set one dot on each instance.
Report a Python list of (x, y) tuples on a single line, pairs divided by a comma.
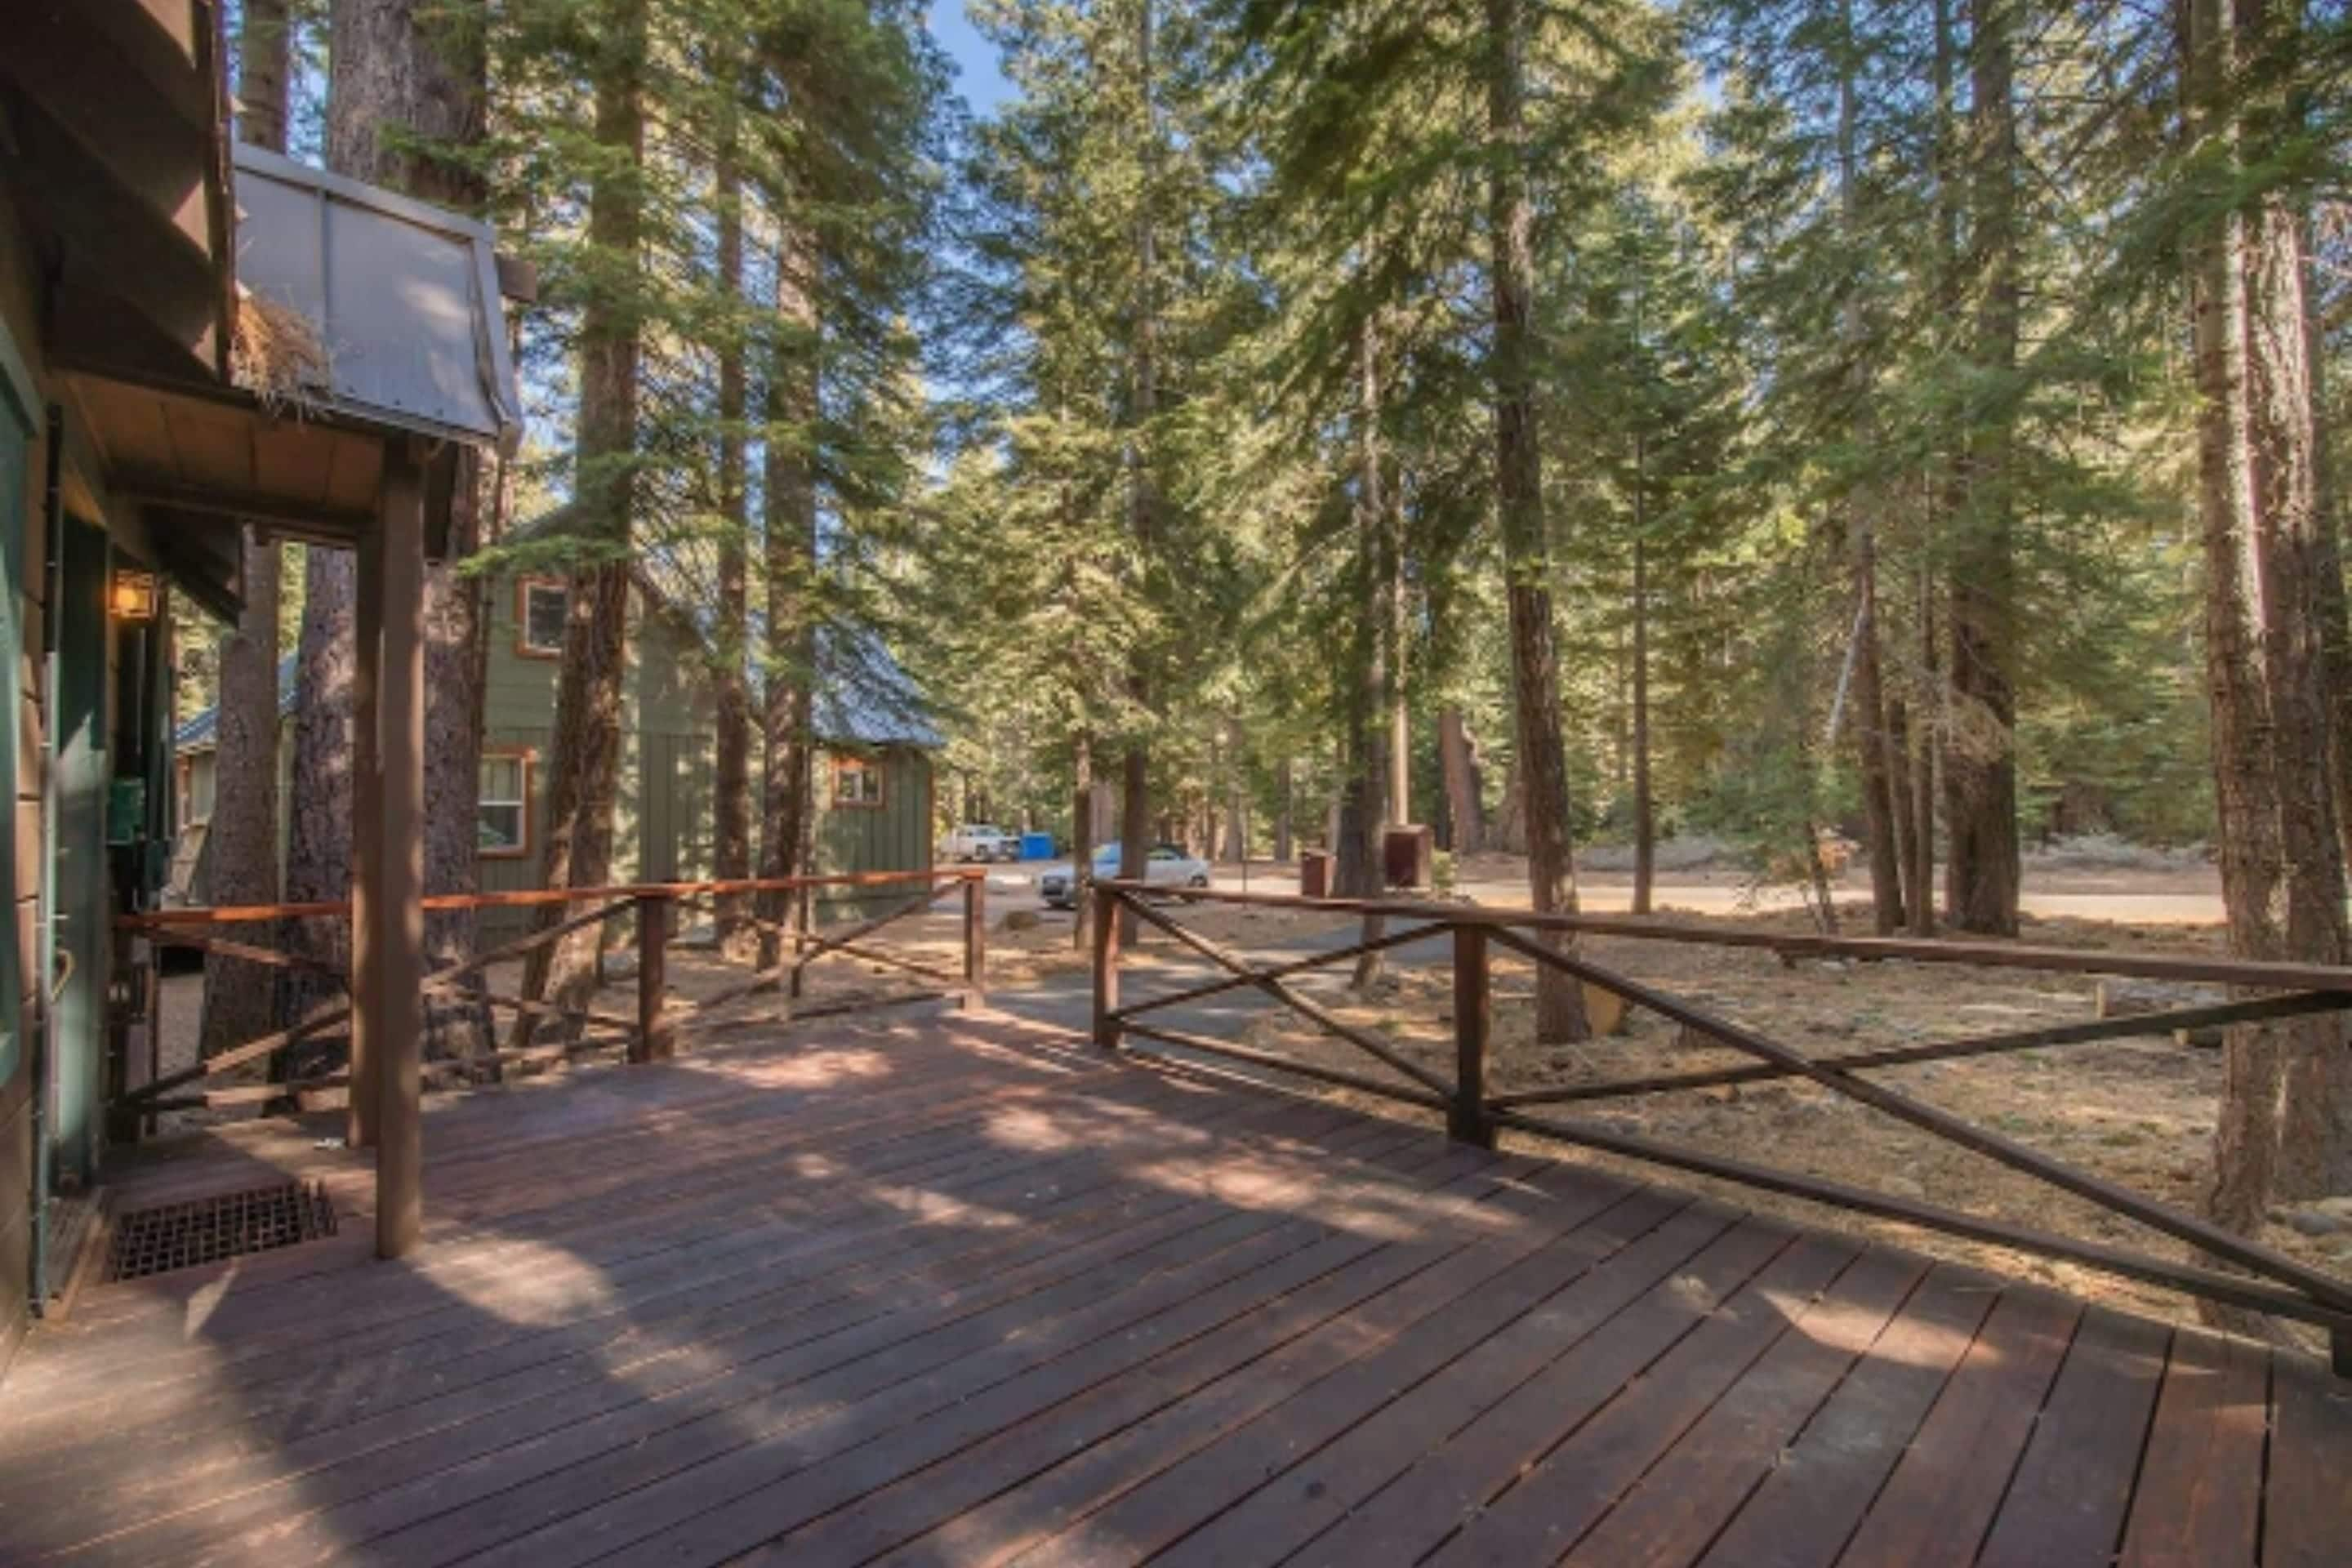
[(318, 523)]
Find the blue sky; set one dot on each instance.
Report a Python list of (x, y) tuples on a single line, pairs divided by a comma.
[(982, 85)]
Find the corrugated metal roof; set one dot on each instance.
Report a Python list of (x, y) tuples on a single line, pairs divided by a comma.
[(863, 697), (402, 296)]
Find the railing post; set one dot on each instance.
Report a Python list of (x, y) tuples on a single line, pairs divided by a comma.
[(1106, 966), (653, 1042), (1467, 1120), (975, 939)]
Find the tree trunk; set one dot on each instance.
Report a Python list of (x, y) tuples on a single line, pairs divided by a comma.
[(1874, 743), (1900, 795), (1459, 760), (585, 767), (1868, 697), (1135, 770), (240, 998), (1982, 869), (1081, 838), (319, 793), (2315, 1156), (1509, 834), (1922, 906), (1283, 789), (1934, 714), (730, 835), (408, 101), (1519, 504), (1645, 826), (2245, 1137), (1367, 807), (789, 498)]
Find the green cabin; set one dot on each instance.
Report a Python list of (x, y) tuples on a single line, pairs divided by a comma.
[(873, 776)]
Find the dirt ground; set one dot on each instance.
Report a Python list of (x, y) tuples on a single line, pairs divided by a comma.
[(2139, 1112)]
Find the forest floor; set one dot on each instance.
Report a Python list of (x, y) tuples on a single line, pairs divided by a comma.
[(2137, 1112)]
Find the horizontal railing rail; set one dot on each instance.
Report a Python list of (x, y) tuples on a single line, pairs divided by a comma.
[(2271, 1282), (653, 1031)]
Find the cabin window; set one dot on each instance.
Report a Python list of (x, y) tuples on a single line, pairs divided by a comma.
[(541, 607), (504, 809), (857, 782)]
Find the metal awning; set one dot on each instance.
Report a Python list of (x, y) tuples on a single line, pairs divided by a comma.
[(402, 297)]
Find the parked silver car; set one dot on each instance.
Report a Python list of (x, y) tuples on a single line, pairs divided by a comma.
[(1167, 865), (982, 841)]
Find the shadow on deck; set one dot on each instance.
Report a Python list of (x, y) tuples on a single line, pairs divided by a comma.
[(950, 1290)]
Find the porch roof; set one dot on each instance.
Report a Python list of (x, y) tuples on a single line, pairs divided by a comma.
[(166, 247)]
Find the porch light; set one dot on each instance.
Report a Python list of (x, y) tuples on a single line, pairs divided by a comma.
[(132, 596)]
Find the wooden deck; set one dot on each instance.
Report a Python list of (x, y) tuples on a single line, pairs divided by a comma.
[(952, 1292)]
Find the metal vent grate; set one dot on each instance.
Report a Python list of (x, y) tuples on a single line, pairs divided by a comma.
[(180, 1236)]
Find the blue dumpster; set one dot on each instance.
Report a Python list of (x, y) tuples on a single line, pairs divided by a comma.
[(1036, 846)]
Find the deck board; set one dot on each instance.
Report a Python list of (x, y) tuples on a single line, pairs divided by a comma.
[(956, 1292)]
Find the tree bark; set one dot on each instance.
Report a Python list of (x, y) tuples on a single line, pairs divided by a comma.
[(1982, 869), (2315, 1157), (1933, 718), (1365, 808), (1458, 758), (410, 85), (240, 998), (1519, 504), (1134, 768), (585, 767), (730, 847), (788, 498), (1868, 697), (1921, 908), (1645, 826), (2245, 1137), (1284, 787), (1509, 833), (1081, 838)]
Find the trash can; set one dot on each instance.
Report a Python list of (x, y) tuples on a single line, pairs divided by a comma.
[(1408, 855), (1314, 874), (1036, 846)]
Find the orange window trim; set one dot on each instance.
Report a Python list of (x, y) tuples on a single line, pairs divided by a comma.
[(881, 789), (523, 647), (528, 759)]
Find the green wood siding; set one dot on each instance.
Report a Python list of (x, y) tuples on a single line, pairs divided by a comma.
[(664, 810), (84, 668), (893, 837)]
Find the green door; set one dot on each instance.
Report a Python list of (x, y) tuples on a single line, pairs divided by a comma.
[(78, 849), (16, 432)]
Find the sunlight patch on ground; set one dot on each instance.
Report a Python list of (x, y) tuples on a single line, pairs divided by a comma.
[(810, 1069), (557, 1286), (207, 1298), (927, 1207), (1027, 1128)]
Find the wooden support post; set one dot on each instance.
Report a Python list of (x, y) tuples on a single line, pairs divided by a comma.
[(1468, 1120), (654, 1041), (396, 912), (1105, 936), (975, 940), (367, 839)]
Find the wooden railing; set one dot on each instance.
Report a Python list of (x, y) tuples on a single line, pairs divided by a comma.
[(653, 1031), (2272, 1282)]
